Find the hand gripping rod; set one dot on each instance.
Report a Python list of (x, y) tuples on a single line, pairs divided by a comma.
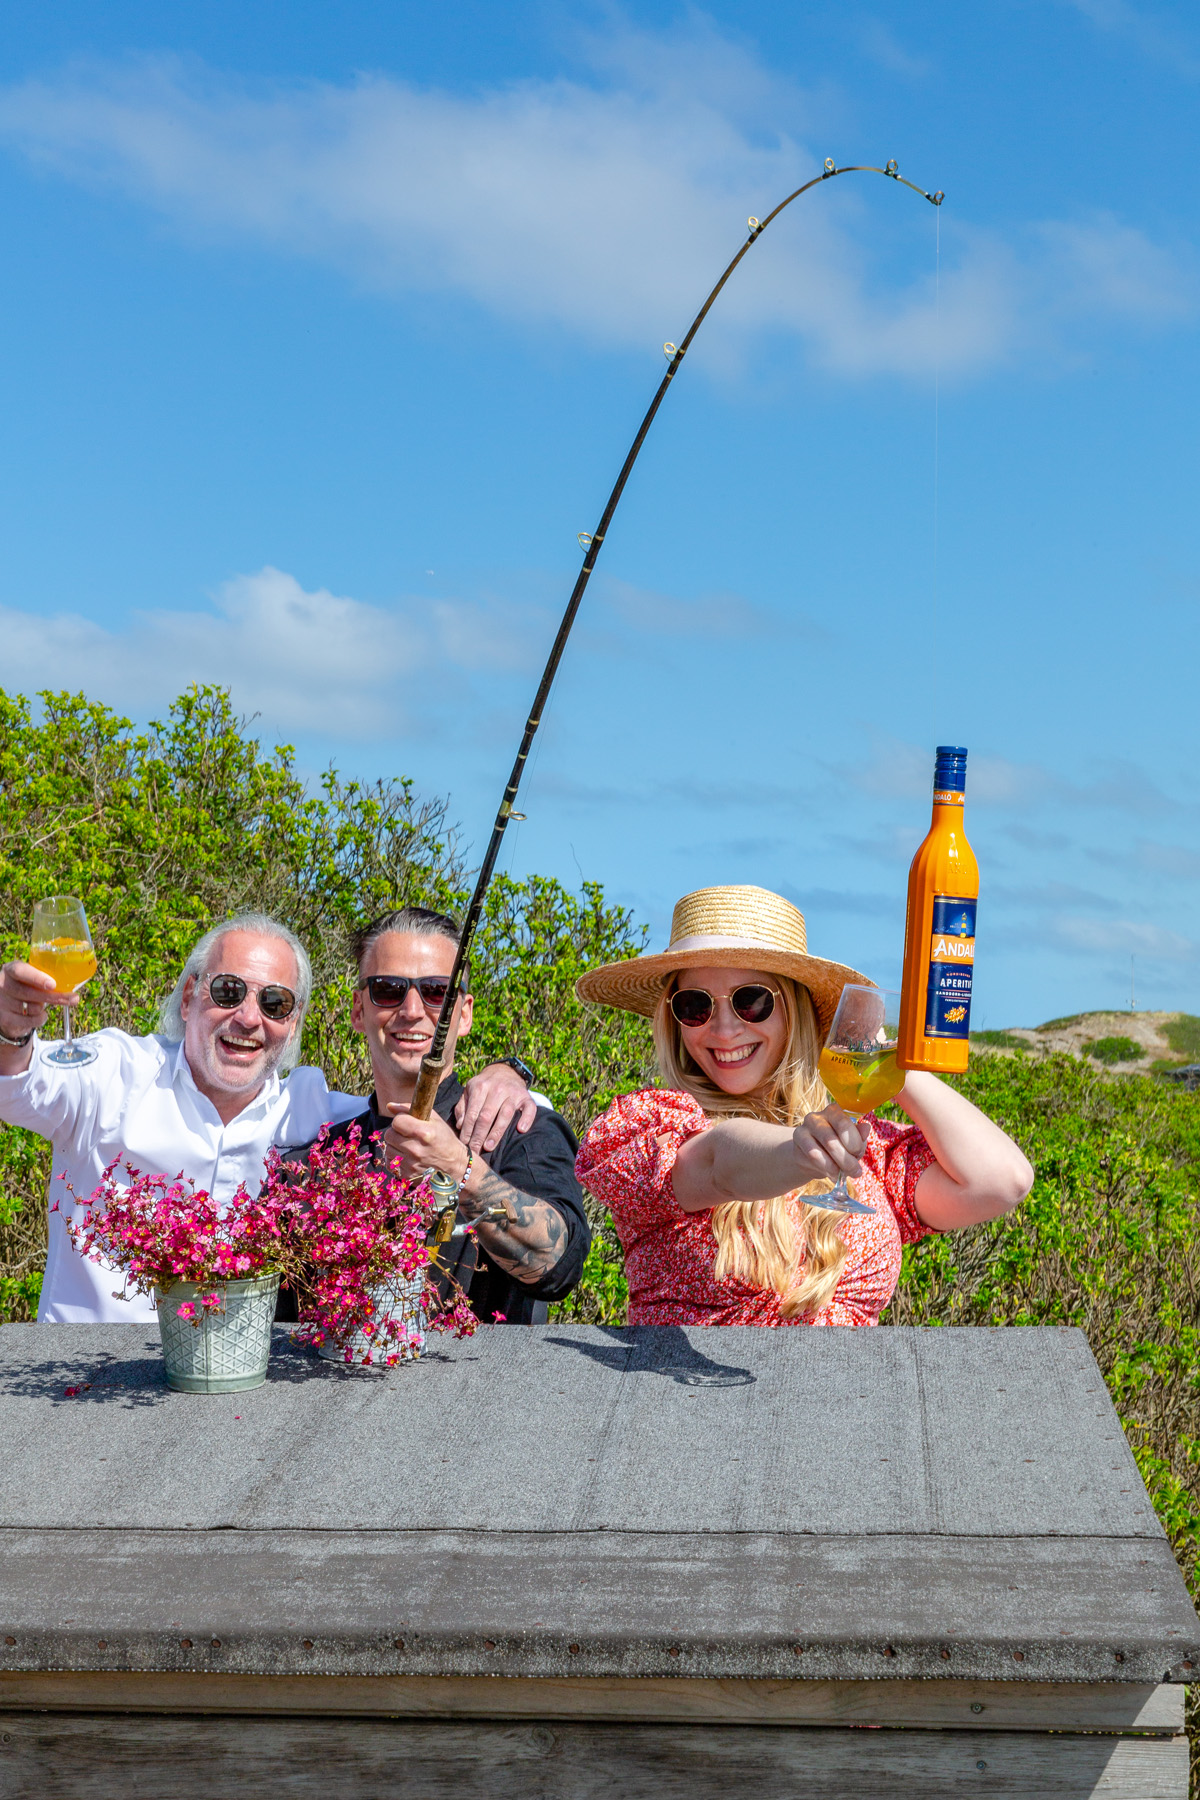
[(433, 1064)]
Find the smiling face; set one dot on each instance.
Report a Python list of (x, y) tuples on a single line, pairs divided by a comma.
[(232, 1051), (736, 1056), (399, 1036)]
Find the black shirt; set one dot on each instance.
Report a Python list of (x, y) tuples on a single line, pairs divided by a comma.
[(541, 1162)]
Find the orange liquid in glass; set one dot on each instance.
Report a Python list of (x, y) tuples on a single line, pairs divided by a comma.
[(861, 1080), (69, 961)]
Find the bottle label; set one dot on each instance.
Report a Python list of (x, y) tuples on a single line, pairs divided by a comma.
[(951, 966), (948, 797)]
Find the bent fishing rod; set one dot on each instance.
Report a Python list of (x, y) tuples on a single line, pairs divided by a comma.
[(433, 1065)]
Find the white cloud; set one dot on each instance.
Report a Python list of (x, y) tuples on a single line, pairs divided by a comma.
[(602, 205), (1156, 38), (1171, 860), (302, 661), (1124, 936), (900, 771), (881, 44), (1107, 267), (720, 615), (314, 661)]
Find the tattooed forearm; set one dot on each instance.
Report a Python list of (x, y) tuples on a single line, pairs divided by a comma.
[(529, 1240)]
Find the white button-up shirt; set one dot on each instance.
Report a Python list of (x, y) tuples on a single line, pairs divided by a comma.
[(138, 1101)]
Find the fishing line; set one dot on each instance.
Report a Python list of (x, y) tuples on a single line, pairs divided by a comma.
[(937, 382)]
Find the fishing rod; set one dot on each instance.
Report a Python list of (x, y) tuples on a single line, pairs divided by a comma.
[(434, 1063)]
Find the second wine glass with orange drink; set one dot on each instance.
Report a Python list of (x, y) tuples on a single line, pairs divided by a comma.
[(61, 947), (858, 1066)]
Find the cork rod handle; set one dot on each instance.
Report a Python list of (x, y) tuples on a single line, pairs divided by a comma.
[(428, 1082)]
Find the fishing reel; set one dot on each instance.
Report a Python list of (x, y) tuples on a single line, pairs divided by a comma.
[(446, 1190)]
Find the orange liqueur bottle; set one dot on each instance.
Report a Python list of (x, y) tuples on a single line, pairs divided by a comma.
[(939, 933)]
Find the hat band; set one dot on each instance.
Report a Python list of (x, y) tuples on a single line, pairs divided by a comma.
[(705, 942)]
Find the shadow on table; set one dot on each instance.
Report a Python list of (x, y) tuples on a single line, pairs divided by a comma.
[(658, 1350), (100, 1379), (294, 1362), (107, 1379)]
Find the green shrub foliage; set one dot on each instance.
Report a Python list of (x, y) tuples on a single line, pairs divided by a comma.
[(1115, 1049), (164, 831)]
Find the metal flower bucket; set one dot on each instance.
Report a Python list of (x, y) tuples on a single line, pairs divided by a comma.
[(226, 1350), (399, 1300)]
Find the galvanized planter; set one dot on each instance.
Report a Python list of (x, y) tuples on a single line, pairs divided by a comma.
[(399, 1300), (225, 1351)]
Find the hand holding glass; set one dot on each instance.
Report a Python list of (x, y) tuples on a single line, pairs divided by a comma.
[(858, 1066), (61, 947)]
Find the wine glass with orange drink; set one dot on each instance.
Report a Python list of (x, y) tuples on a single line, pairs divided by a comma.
[(858, 1066), (61, 947)]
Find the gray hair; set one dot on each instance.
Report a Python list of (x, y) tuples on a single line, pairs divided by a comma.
[(170, 1017), (409, 921)]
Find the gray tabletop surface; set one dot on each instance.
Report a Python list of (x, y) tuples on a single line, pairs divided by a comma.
[(579, 1500)]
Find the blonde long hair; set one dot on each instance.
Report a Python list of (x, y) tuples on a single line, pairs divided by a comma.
[(760, 1242)]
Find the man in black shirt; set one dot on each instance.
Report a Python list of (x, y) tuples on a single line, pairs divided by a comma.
[(531, 1250)]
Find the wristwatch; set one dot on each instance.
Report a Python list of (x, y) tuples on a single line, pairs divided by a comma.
[(20, 1043), (523, 1069)]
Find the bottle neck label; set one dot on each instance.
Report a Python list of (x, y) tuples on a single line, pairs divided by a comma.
[(948, 797), (951, 967)]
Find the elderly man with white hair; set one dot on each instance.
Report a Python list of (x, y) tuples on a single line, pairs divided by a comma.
[(201, 1097)]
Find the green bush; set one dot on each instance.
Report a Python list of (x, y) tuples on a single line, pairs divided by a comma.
[(1000, 1040), (1115, 1049), (163, 832)]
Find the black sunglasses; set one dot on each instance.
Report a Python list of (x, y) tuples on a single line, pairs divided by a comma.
[(695, 1006), (390, 990), (274, 1001)]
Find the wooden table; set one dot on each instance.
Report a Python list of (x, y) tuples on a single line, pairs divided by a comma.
[(588, 1563)]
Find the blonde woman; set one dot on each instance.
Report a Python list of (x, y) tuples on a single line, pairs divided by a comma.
[(709, 1178)]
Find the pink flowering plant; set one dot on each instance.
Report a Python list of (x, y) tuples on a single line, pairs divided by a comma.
[(363, 1233), (160, 1231), (351, 1237)]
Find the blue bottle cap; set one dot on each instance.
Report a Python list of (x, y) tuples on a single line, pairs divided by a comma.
[(950, 771)]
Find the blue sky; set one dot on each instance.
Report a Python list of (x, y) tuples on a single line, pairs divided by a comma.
[(326, 329)]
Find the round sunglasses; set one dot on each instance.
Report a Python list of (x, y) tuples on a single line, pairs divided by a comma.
[(390, 990), (753, 1003), (274, 1001)]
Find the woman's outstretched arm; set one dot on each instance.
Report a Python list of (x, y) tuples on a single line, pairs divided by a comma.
[(741, 1159), (979, 1173)]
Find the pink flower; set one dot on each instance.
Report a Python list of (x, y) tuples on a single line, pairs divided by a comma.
[(339, 1226)]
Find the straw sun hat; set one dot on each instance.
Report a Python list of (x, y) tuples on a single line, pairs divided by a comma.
[(724, 928)]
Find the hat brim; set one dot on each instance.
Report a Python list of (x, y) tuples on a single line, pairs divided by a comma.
[(637, 984)]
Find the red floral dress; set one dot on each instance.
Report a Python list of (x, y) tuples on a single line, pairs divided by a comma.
[(626, 1162)]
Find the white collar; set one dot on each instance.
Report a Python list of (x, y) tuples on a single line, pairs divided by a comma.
[(181, 1076)]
